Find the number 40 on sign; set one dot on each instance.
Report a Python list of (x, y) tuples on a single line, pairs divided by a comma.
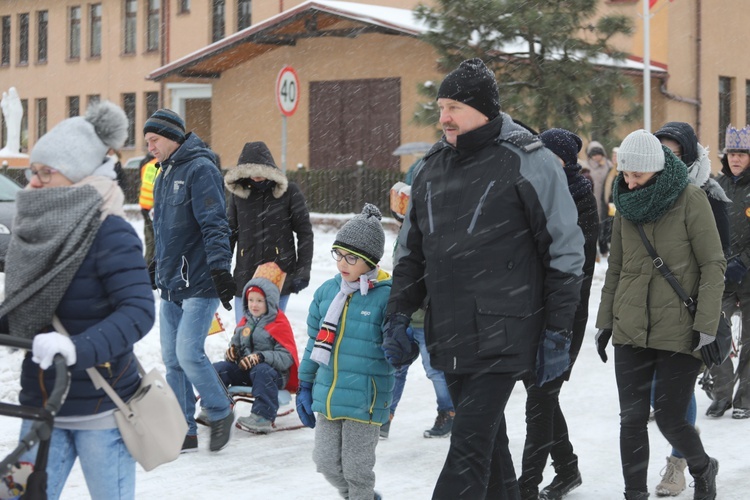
[(287, 91)]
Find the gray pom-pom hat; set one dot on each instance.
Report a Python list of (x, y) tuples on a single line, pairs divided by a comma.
[(363, 236), (78, 146)]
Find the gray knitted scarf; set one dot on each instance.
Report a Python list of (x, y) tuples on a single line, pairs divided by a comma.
[(52, 233)]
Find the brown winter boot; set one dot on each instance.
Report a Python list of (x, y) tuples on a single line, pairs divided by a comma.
[(672, 478)]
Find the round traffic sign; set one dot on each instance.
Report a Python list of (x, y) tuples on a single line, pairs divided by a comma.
[(287, 91)]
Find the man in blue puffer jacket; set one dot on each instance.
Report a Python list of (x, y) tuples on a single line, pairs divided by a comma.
[(191, 268)]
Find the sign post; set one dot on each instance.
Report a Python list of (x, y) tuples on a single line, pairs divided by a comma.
[(287, 98)]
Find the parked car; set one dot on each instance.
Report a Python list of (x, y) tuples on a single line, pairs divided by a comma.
[(134, 162), (8, 191)]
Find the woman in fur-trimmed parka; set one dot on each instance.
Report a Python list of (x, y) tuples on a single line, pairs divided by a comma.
[(265, 212), (657, 340)]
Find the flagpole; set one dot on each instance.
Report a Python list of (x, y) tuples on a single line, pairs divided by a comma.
[(646, 66)]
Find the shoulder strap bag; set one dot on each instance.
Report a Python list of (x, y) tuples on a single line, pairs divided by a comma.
[(152, 423), (717, 351)]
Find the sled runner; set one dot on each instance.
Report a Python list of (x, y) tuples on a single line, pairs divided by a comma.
[(244, 394), (13, 475)]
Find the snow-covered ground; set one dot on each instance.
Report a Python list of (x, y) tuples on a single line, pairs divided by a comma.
[(279, 466)]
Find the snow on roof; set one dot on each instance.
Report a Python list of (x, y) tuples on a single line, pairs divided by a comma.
[(394, 18)]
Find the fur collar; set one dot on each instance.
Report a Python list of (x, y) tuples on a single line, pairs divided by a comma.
[(248, 170)]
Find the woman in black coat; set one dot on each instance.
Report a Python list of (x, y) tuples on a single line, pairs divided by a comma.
[(265, 212), (546, 429)]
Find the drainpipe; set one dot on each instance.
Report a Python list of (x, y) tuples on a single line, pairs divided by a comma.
[(164, 47), (698, 59), (689, 100)]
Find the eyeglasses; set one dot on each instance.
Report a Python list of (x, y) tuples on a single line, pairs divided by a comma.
[(350, 258), (43, 174)]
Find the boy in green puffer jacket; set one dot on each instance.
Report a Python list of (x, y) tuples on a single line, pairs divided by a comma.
[(344, 376)]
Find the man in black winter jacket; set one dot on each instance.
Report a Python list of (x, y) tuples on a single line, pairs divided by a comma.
[(494, 245)]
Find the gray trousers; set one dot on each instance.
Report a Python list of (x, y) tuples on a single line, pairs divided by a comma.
[(724, 374), (345, 454)]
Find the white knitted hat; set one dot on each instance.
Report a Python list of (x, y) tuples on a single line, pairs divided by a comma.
[(640, 152), (77, 146)]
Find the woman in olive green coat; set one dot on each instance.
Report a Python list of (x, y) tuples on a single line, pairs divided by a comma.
[(656, 339)]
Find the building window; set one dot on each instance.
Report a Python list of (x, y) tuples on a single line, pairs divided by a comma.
[(244, 14), (92, 99), (5, 52), (95, 30), (725, 108), (42, 20), (23, 39), (25, 126), (217, 20), (130, 27), (128, 105), (152, 25), (41, 117), (74, 33), (74, 106), (183, 6), (152, 103)]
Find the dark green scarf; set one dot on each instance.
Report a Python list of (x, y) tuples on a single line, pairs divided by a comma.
[(649, 203)]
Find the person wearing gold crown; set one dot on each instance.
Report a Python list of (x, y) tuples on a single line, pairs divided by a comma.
[(736, 184)]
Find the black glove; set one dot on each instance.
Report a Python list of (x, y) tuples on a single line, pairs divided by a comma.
[(225, 286), (553, 355), (299, 284), (152, 274), (735, 272), (399, 348), (602, 339)]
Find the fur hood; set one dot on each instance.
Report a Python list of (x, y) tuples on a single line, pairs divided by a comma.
[(248, 170), (699, 173)]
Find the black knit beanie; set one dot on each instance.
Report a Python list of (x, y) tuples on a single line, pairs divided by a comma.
[(684, 134), (563, 143), (473, 84)]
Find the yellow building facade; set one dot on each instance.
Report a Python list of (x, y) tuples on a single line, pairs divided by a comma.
[(216, 62)]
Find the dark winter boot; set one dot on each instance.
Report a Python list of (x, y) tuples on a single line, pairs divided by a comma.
[(636, 495), (443, 425), (561, 485), (705, 483), (567, 478)]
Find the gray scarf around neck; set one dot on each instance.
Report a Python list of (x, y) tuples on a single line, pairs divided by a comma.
[(52, 233)]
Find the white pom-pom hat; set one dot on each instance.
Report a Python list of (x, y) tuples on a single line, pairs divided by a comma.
[(77, 146)]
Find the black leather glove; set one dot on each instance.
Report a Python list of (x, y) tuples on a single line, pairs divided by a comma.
[(299, 284), (602, 339), (152, 274), (398, 347), (225, 286)]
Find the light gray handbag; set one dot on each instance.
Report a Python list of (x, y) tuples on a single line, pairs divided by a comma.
[(151, 423)]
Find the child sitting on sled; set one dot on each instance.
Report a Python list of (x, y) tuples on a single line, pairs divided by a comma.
[(261, 354)]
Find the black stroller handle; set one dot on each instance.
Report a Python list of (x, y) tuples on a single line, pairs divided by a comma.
[(41, 429)]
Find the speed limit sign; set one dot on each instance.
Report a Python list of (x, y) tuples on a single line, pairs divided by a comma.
[(287, 91)]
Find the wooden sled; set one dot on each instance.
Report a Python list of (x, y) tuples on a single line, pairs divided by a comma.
[(244, 394)]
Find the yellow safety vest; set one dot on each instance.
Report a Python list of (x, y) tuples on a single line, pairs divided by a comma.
[(148, 177)]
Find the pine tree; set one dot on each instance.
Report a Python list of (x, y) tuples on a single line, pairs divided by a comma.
[(544, 54)]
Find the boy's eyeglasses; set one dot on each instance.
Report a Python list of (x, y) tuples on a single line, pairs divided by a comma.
[(350, 258), (43, 174)]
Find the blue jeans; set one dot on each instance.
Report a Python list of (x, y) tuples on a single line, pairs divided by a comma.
[(184, 328), (108, 467), (238, 312), (437, 377), (263, 378)]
